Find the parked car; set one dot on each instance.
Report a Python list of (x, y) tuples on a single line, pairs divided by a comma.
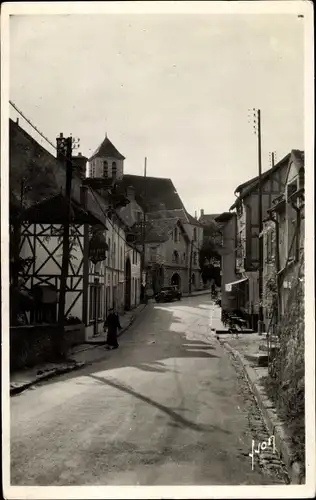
[(168, 293)]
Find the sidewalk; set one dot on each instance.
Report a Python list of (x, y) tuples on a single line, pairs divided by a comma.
[(78, 357), (246, 349)]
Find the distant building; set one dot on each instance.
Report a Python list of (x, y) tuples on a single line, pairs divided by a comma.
[(158, 198), (166, 253)]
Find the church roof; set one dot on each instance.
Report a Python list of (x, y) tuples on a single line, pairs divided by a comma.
[(154, 193), (180, 213), (107, 149), (158, 230)]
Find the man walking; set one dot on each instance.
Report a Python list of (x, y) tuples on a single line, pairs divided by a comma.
[(112, 323)]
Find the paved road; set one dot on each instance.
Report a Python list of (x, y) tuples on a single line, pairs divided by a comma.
[(165, 408)]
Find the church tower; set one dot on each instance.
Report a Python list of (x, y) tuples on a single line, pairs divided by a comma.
[(107, 162)]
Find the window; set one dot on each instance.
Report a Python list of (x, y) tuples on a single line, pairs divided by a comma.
[(105, 169), (194, 234), (176, 234), (175, 257), (95, 302), (121, 258), (114, 170)]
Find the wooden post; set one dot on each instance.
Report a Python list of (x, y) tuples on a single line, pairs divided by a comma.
[(65, 256)]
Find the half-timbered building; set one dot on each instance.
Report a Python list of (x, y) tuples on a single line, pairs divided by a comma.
[(37, 180), (246, 206)]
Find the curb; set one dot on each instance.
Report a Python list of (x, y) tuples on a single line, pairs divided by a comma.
[(66, 369), (273, 423), (131, 321), (45, 376)]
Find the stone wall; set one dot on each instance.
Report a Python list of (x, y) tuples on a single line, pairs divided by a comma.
[(32, 345), (287, 371)]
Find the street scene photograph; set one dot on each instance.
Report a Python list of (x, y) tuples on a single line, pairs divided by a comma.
[(154, 250)]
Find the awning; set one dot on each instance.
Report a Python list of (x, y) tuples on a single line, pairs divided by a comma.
[(229, 286)]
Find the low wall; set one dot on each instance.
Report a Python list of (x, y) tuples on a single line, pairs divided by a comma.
[(31, 345)]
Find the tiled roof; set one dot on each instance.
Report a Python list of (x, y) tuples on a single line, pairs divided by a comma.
[(158, 194), (249, 186), (224, 217), (208, 218), (181, 214), (157, 230), (252, 183), (46, 174), (107, 150), (153, 193)]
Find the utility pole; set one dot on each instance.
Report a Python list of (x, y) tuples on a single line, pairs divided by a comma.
[(143, 263), (260, 322), (272, 158), (65, 148)]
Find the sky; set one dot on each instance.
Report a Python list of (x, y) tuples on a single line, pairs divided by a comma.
[(175, 88)]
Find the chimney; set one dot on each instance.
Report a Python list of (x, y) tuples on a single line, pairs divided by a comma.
[(195, 214), (60, 147), (83, 196), (17, 121), (202, 212)]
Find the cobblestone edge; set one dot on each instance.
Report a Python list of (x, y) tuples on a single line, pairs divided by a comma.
[(45, 376), (274, 424)]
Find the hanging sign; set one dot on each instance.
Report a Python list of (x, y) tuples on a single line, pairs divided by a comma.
[(97, 248)]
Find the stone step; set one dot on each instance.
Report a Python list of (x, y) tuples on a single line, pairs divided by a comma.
[(258, 359)]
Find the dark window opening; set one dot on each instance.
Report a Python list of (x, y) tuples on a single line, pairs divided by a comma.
[(105, 170), (114, 170)]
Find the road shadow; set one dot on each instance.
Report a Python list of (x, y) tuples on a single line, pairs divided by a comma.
[(177, 419)]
